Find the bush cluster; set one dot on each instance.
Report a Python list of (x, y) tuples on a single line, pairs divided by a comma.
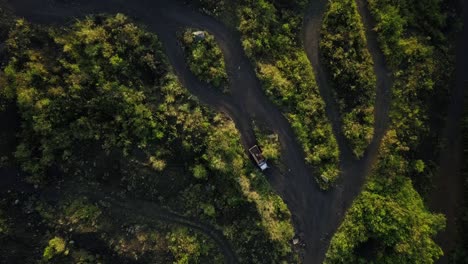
[(205, 58), (349, 63)]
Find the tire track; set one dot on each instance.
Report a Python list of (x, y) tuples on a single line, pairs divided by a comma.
[(128, 209)]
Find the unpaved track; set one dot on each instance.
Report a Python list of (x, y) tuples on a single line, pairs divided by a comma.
[(316, 214), (447, 196), (141, 211)]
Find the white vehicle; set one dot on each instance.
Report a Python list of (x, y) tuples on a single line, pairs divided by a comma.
[(258, 157)]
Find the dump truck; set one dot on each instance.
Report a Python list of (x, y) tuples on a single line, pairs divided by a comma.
[(258, 157)]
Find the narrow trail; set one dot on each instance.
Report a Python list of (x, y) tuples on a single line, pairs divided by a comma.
[(135, 209), (316, 214), (447, 196), (311, 38)]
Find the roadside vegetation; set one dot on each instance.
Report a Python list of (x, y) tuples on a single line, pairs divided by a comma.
[(270, 37), (205, 59), (268, 141), (388, 222), (99, 103), (349, 64)]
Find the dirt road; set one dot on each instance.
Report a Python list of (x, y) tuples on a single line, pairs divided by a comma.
[(447, 196), (133, 210)]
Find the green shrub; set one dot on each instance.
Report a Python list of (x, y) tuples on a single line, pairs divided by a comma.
[(205, 59), (82, 212), (56, 246), (418, 54), (390, 216)]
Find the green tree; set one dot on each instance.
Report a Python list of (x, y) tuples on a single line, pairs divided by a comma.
[(390, 216)]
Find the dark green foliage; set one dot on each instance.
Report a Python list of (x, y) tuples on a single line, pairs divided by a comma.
[(6, 22), (205, 59), (389, 224), (269, 35), (344, 51), (128, 237)]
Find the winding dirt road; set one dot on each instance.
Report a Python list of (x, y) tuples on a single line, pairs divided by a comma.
[(316, 214)]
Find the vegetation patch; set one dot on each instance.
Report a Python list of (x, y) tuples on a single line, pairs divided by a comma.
[(349, 63), (268, 141), (205, 58), (387, 223)]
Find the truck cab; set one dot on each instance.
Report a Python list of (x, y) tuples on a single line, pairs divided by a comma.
[(258, 157)]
